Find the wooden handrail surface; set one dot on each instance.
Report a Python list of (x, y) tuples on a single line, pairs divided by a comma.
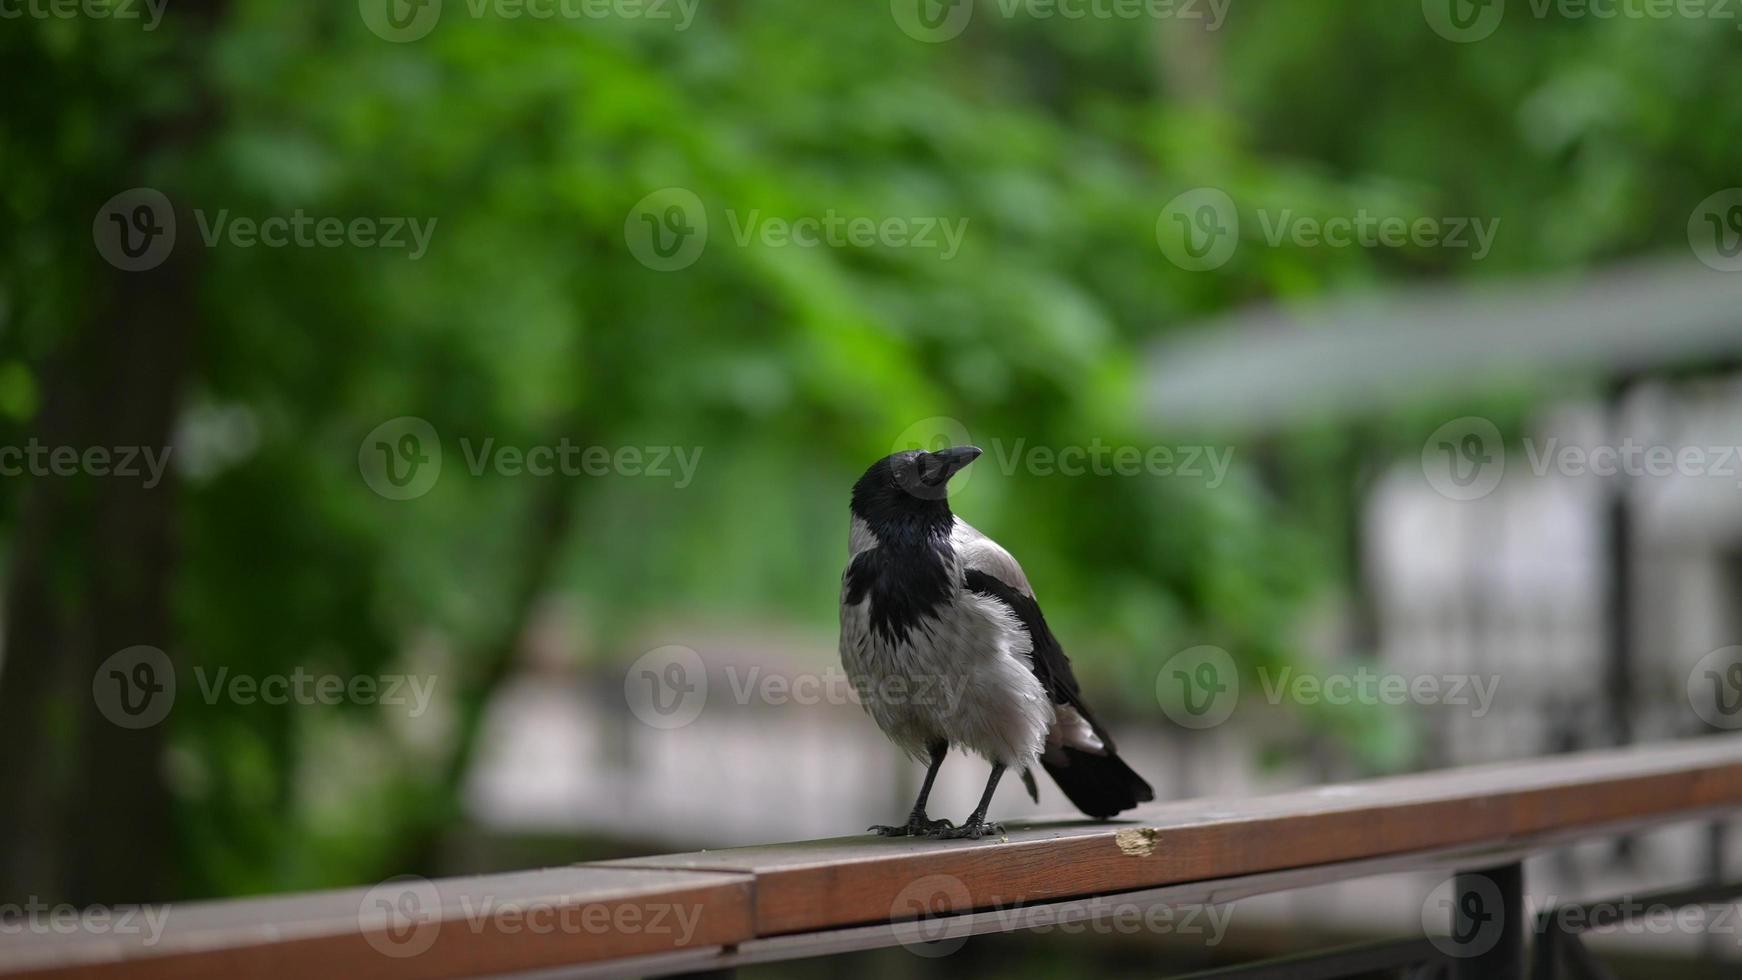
[(690, 911)]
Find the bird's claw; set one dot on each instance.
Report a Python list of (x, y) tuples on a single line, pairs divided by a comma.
[(918, 827), (973, 830)]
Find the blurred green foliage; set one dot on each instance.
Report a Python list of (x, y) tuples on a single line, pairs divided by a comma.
[(530, 141)]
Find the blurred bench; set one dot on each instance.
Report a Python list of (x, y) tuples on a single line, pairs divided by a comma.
[(713, 910)]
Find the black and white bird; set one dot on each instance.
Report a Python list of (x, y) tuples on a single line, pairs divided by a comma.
[(944, 641)]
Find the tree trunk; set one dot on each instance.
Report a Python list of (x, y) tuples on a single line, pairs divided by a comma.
[(84, 806)]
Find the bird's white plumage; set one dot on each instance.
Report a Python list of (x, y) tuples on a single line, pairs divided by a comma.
[(860, 538), (980, 553), (1073, 730), (973, 656)]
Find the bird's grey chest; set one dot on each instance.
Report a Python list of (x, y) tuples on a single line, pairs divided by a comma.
[(902, 612), (935, 644), (911, 681)]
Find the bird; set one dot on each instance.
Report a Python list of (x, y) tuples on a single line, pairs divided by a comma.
[(944, 643)]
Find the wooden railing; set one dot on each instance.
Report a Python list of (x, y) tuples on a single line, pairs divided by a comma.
[(716, 909)]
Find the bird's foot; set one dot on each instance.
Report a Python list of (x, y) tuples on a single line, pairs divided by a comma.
[(974, 829), (916, 826)]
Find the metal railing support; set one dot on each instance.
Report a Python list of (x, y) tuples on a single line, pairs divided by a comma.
[(1488, 923)]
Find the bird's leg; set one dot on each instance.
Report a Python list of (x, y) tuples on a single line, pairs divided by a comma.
[(917, 825), (977, 827)]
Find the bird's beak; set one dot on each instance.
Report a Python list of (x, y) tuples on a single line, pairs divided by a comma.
[(954, 460)]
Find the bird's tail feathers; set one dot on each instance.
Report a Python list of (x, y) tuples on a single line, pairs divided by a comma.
[(1099, 785), (1028, 781)]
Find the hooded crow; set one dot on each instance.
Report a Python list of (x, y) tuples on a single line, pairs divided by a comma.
[(944, 641)]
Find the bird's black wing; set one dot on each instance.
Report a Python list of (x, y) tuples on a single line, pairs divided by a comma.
[(1096, 780)]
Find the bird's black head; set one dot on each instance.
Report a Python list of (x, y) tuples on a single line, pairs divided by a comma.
[(909, 488)]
